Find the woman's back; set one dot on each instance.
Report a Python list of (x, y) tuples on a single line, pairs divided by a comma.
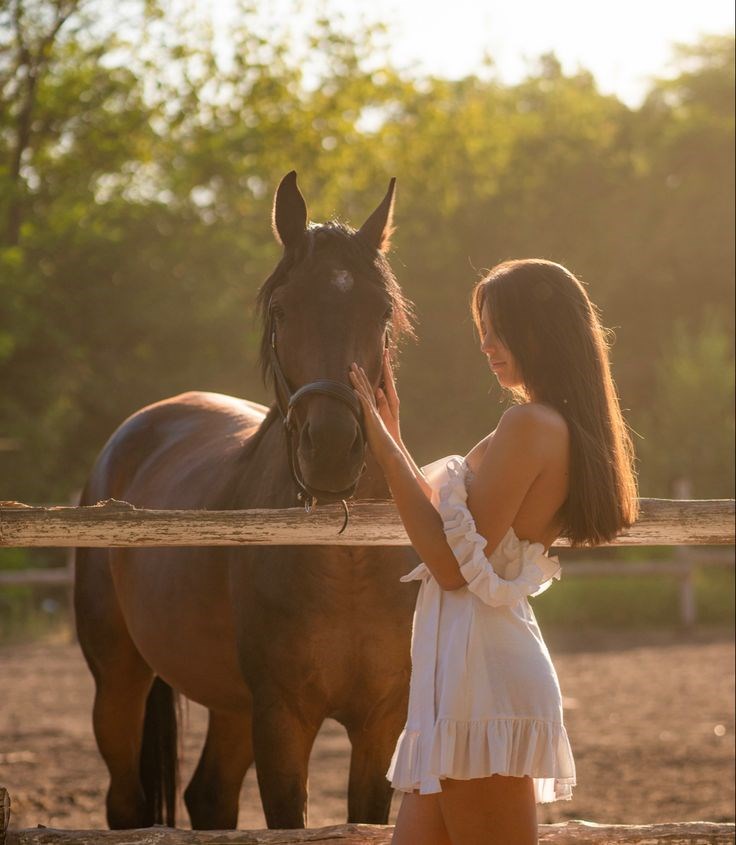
[(545, 438)]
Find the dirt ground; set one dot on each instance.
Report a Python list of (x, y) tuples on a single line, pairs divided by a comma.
[(650, 717)]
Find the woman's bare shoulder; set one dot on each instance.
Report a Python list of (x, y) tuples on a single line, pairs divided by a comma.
[(537, 423), (531, 424)]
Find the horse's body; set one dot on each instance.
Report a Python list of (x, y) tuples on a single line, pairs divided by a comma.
[(272, 640)]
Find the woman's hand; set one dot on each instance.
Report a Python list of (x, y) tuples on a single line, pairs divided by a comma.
[(376, 414), (387, 401)]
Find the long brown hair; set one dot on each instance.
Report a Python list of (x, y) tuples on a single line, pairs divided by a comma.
[(543, 315)]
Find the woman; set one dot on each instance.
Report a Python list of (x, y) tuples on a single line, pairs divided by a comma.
[(485, 740)]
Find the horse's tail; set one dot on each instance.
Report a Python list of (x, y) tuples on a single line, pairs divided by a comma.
[(159, 765)]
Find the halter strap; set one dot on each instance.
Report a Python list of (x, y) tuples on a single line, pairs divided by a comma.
[(287, 402)]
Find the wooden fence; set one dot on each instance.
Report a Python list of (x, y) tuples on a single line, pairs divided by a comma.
[(678, 522), (663, 522), (567, 833)]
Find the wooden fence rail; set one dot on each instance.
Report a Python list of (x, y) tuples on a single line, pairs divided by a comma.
[(575, 832), (566, 833), (667, 522)]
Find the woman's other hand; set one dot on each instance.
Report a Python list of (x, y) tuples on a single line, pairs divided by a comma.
[(387, 400), (379, 419)]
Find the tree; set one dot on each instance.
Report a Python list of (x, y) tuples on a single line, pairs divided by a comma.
[(688, 430), (134, 221)]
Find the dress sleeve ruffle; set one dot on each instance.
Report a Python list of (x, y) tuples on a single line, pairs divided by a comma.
[(528, 571)]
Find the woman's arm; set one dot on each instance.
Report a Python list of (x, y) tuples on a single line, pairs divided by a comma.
[(387, 404), (419, 476), (513, 460), (422, 522)]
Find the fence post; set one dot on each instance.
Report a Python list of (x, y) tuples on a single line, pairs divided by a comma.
[(4, 813), (682, 488), (71, 554)]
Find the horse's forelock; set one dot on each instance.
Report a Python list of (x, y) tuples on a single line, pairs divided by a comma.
[(349, 243)]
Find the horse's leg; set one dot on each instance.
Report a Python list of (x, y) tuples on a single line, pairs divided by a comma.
[(283, 735), (118, 715), (213, 794), (373, 743), (122, 681)]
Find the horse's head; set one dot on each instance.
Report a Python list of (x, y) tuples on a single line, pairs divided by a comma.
[(331, 300)]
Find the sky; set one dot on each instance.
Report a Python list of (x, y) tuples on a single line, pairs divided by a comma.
[(624, 44)]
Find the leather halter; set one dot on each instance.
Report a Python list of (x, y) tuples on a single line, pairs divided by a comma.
[(287, 402)]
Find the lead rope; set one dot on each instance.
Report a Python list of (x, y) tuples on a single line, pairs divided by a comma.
[(347, 517), (309, 500)]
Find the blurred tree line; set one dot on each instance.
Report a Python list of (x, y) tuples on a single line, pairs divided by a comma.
[(137, 169)]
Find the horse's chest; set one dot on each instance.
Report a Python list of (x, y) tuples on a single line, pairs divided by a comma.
[(344, 614), (306, 580)]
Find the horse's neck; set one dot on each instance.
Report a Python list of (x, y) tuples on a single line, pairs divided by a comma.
[(262, 477)]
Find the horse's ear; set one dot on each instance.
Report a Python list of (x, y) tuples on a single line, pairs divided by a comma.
[(378, 228), (289, 212)]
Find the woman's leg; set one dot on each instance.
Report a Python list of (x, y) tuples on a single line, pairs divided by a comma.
[(497, 810), (419, 821)]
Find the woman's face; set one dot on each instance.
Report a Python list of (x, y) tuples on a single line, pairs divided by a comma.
[(500, 360)]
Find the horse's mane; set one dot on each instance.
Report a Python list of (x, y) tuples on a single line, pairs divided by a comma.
[(345, 242)]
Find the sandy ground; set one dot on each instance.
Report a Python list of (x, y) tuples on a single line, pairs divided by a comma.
[(650, 717)]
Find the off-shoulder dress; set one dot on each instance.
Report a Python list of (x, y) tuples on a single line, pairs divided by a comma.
[(484, 696)]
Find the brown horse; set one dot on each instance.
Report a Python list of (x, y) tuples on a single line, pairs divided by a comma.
[(272, 640)]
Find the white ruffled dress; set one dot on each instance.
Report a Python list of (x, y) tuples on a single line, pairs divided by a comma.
[(484, 696)]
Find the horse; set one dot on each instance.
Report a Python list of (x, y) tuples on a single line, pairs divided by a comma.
[(272, 640)]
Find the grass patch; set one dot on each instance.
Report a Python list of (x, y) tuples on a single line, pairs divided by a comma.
[(635, 601), (34, 613), (611, 602), (31, 558)]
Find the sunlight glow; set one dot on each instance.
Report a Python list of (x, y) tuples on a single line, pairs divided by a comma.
[(624, 45)]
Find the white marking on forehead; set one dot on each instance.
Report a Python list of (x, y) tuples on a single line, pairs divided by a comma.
[(342, 280)]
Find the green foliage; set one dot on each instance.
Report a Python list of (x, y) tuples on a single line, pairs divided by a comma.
[(634, 602), (28, 614), (575, 604), (137, 169), (690, 421)]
